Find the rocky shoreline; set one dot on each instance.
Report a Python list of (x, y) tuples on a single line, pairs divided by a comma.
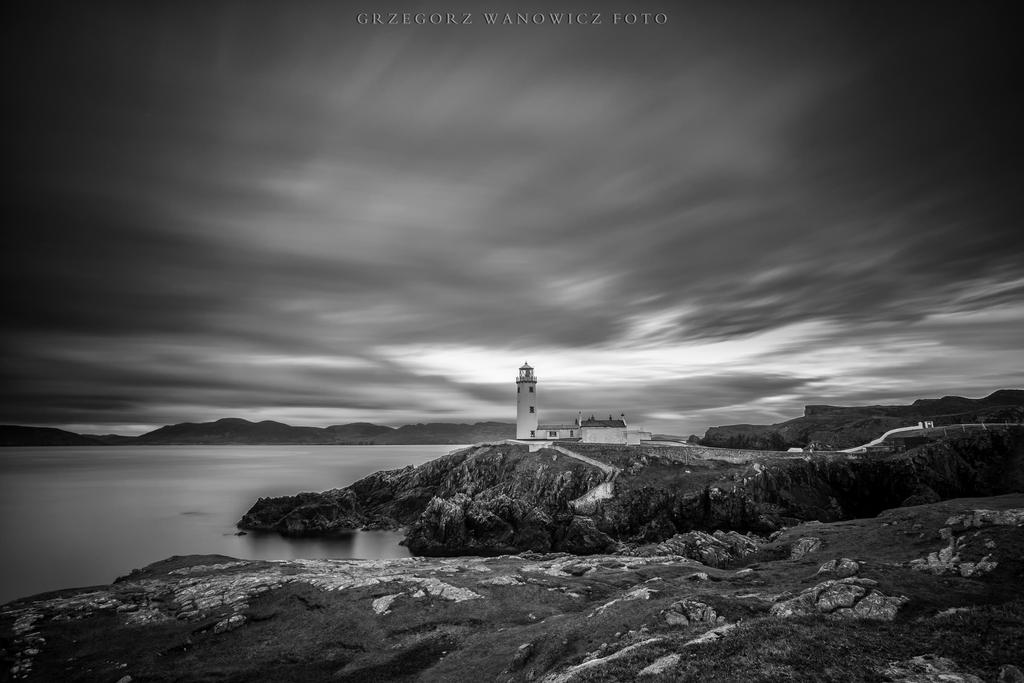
[(501, 498), (910, 595)]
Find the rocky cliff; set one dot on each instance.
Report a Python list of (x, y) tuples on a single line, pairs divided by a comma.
[(487, 500), (920, 593), (499, 499)]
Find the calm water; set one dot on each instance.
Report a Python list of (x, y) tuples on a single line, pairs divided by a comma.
[(74, 516)]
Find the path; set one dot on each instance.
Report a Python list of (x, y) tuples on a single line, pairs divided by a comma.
[(610, 471), (587, 503), (930, 430)]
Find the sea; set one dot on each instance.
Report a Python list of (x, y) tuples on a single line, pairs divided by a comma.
[(82, 516)]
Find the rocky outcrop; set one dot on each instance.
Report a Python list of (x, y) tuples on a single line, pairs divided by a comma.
[(719, 549), (691, 611), (842, 568), (492, 475), (968, 554), (804, 546), (546, 616), (849, 598), (775, 492), (307, 514), (513, 500), (461, 525)]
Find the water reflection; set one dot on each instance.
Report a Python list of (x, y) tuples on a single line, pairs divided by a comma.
[(355, 545)]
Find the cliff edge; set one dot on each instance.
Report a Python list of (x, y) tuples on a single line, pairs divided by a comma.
[(501, 498)]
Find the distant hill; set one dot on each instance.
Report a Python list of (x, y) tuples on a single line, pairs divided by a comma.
[(833, 427), (446, 432), (235, 430), (14, 435)]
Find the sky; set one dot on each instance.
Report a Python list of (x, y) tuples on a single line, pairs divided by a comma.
[(283, 211)]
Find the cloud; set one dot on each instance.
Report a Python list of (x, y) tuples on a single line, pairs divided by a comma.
[(278, 212)]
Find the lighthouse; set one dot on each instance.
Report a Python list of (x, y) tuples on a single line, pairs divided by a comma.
[(526, 403)]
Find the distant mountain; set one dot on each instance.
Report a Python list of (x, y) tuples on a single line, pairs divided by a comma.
[(447, 432), (234, 430), (835, 427), (14, 435), (237, 431)]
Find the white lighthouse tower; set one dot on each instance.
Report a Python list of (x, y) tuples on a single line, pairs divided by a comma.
[(526, 403)]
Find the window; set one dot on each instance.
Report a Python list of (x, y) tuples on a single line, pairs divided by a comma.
[(552, 434), (570, 433), (519, 390), (531, 390), (531, 409), (533, 433)]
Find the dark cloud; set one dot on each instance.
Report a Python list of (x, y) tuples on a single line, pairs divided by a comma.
[(249, 208)]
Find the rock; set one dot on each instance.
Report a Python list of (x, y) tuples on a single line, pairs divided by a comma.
[(660, 665), (849, 598), (980, 518), (839, 595), (382, 605), (925, 669), (229, 623), (714, 550), (947, 560), (805, 546), (840, 568), (690, 611), (504, 580), (461, 525), (1010, 674), (641, 593), (875, 605), (306, 514), (711, 636), (740, 545)]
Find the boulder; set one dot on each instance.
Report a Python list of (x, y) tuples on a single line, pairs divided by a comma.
[(840, 568), (805, 546), (714, 550), (690, 611), (849, 598)]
